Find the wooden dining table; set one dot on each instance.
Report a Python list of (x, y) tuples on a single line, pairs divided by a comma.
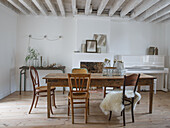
[(97, 80)]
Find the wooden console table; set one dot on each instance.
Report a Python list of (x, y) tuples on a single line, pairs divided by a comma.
[(97, 80), (23, 70)]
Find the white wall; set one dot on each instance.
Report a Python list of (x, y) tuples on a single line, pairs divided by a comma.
[(167, 38), (59, 51), (8, 29), (125, 38), (132, 38), (87, 27)]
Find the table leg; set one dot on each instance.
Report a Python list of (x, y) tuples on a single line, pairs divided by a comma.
[(20, 84), (166, 82), (104, 92), (138, 92), (25, 80), (48, 99), (151, 97), (63, 87)]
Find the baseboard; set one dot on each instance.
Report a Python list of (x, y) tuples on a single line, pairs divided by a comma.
[(4, 94)]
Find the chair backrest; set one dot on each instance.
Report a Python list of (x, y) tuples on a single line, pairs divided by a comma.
[(79, 70), (34, 77), (131, 80), (80, 82)]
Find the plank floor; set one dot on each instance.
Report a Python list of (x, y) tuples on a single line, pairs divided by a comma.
[(14, 113)]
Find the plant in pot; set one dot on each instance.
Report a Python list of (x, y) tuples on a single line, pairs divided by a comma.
[(32, 57)]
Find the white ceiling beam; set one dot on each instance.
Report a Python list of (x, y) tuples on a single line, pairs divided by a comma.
[(102, 6), (158, 14), (74, 7), (129, 6), (40, 7), (51, 7), (118, 18), (87, 7), (115, 7), (155, 8), (144, 6), (27, 4), (16, 4), (61, 7), (162, 18), (166, 21), (105, 17), (8, 6)]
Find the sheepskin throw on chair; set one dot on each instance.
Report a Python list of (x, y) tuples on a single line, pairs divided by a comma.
[(113, 101)]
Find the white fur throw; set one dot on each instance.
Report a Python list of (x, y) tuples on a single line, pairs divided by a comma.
[(113, 101)]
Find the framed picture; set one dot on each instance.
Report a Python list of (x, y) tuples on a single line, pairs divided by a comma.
[(101, 42), (91, 46)]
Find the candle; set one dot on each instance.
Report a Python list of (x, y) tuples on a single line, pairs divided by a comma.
[(41, 60)]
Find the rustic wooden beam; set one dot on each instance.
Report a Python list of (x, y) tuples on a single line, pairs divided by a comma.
[(155, 8), (74, 7), (118, 18), (162, 18), (115, 7), (166, 21), (61, 7), (27, 4), (143, 7), (129, 6), (39, 5), (51, 7), (8, 6), (102, 6), (105, 17), (18, 6), (87, 7), (159, 14)]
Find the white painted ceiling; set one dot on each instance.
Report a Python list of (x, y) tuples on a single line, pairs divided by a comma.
[(136, 10)]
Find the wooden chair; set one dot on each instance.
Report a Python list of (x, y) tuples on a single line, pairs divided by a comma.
[(131, 80), (81, 83), (79, 70), (39, 91)]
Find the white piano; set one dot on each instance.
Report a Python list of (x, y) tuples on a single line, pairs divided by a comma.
[(148, 64)]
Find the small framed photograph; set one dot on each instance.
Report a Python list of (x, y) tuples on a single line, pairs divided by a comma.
[(91, 46)]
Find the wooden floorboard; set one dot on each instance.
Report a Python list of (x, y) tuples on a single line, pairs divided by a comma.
[(14, 113)]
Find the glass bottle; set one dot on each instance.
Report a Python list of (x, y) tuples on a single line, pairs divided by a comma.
[(106, 70), (36, 63)]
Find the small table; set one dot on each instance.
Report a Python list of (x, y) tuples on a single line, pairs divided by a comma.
[(23, 70), (97, 80)]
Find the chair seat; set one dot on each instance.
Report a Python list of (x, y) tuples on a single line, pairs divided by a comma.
[(82, 95), (43, 89), (128, 94)]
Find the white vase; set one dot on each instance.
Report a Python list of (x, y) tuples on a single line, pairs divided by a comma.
[(28, 63), (36, 63)]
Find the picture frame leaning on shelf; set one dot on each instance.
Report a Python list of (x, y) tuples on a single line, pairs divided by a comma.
[(91, 46)]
